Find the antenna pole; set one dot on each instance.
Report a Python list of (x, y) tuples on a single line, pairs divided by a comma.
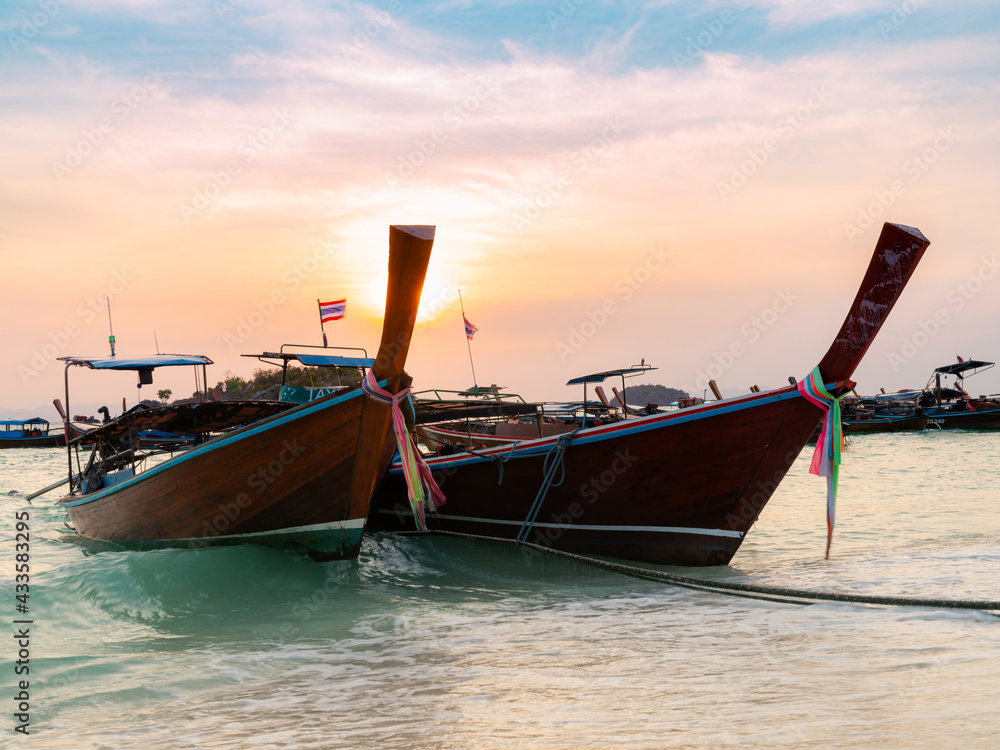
[(468, 341), (111, 330), (156, 342)]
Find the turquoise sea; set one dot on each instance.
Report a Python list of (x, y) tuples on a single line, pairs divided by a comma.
[(437, 642)]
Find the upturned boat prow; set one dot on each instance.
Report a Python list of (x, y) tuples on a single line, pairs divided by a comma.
[(897, 253), (299, 480), (895, 258), (681, 487)]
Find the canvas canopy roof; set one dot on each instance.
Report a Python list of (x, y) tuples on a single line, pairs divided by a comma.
[(138, 363), (318, 360), (963, 367), (600, 377), (19, 422)]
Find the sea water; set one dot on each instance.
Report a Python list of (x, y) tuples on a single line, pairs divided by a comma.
[(437, 642)]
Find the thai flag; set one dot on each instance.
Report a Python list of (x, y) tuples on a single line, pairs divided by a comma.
[(332, 310), (470, 330)]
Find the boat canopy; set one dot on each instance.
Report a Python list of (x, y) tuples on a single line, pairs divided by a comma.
[(317, 360), (963, 367), (138, 363), (907, 395), (19, 422), (330, 360), (184, 419), (600, 377), (434, 410)]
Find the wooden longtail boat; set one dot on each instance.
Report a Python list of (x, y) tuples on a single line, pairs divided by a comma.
[(299, 480), (951, 408), (29, 433), (680, 487)]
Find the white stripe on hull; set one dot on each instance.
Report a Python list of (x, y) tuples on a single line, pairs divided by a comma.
[(351, 523), (583, 527)]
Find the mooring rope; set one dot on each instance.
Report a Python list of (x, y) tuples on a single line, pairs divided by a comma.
[(554, 461), (498, 459), (780, 594)]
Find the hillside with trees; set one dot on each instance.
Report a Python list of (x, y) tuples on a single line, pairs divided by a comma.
[(265, 382), (638, 395)]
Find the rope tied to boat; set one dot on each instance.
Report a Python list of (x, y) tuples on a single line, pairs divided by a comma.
[(420, 483), (497, 459), (779, 594), (827, 456), (555, 460)]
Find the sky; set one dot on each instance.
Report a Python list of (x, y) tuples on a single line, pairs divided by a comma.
[(611, 182)]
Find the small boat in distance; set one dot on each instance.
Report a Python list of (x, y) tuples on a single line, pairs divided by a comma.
[(946, 405), (299, 480), (680, 487), (875, 414), (29, 433)]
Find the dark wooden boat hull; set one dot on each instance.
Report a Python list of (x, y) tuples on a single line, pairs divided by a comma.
[(46, 441), (679, 488), (300, 480), (963, 420), (886, 424)]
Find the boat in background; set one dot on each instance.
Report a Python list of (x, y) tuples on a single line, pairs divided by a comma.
[(947, 406), (880, 414), (489, 418), (484, 417), (29, 433), (299, 480), (680, 487)]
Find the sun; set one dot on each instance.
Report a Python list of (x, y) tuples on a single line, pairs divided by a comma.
[(439, 296)]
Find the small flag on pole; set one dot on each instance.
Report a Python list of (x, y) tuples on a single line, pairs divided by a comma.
[(470, 330), (332, 310)]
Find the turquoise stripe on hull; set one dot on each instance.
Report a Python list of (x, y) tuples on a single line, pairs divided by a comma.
[(319, 544)]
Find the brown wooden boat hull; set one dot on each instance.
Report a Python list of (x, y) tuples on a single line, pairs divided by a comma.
[(289, 473), (680, 488)]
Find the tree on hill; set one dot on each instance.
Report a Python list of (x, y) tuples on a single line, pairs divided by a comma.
[(652, 394), (264, 383)]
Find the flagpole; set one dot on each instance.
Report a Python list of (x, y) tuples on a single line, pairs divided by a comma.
[(468, 342), (111, 331), (320, 306)]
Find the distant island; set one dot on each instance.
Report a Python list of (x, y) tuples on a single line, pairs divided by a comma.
[(652, 394)]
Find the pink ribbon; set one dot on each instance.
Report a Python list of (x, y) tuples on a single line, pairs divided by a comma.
[(420, 482)]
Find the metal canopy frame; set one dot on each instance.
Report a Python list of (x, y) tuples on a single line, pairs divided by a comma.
[(142, 365), (314, 360), (960, 368), (600, 377)]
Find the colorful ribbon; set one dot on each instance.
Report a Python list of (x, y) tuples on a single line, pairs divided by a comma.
[(826, 457), (420, 482)]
